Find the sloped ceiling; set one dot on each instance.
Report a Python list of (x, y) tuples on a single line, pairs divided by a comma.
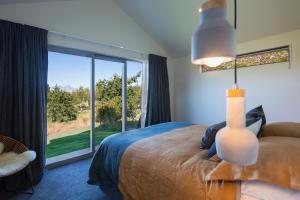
[(171, 22)]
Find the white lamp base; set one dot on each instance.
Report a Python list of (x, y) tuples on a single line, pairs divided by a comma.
[(237, 145)]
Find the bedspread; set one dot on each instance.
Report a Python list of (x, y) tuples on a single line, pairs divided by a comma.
[(160, 162), (171, 166)]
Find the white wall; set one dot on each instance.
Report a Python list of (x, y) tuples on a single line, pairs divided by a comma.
[(96, 20), (200, 97)]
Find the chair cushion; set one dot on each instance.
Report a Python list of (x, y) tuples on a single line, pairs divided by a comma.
[(11, 162), (1, 147)]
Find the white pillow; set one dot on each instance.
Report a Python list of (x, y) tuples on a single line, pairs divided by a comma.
[(1, 147), (261, 190), (255, 127)]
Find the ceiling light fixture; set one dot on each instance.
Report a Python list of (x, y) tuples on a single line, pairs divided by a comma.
[(214, 41)]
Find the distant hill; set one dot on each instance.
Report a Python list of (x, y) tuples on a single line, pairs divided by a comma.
[(66, 88)]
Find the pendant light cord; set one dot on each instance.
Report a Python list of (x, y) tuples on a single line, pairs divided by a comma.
[(235, 25)]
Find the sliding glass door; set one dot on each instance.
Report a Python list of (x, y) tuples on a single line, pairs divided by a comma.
[(68, 104), (89, 98), (134, 94), (108, 98)]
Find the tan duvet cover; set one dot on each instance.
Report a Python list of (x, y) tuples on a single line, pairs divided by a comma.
[(171, 166)]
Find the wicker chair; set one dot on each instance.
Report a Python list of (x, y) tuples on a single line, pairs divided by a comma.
[(15, 158)]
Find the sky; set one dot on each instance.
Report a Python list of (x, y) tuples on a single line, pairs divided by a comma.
[(75, 71)]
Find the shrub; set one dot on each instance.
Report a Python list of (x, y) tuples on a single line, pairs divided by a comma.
[(61, 106)]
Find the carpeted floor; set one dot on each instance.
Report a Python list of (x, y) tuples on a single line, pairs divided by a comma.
[(63, 183)]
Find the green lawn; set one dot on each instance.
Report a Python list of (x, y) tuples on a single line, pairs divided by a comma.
[(75, 142)]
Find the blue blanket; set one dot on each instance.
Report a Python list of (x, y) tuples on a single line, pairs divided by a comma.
[(104, 170)]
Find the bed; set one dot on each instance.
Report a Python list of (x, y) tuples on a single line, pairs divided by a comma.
[(165, 162)]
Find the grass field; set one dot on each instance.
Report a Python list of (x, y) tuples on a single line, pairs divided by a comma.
[(75, 141), (70, 136)]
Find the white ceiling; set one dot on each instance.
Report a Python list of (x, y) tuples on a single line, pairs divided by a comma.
[(171, 22)]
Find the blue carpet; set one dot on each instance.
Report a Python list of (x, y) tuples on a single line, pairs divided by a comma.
[(63, 183)]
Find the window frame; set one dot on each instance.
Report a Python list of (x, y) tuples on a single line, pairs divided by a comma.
[(93, 56), (205, 69)]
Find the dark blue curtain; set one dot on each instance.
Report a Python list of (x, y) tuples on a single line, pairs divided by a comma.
[(158, 106), (23, 88)]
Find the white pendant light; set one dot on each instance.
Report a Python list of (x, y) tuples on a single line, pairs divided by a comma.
[(235, 143), (214, 41)]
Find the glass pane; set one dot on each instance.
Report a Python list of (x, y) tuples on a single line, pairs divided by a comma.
[(263, 57), (108, 99), (134, 94), (68, 104)]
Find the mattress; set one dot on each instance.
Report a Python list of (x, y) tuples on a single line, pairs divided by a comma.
[(258, 190)]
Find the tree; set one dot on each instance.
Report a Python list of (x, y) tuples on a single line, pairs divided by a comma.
[(61, 106), (107, 89), (134, 95), (109, 98), (82, 98), (109, 112)]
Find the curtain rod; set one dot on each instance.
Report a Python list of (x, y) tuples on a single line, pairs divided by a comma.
[(90, 41), (98, 43)]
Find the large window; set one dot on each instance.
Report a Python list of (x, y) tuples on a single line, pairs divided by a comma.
[(89, 98), (263, 57)]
